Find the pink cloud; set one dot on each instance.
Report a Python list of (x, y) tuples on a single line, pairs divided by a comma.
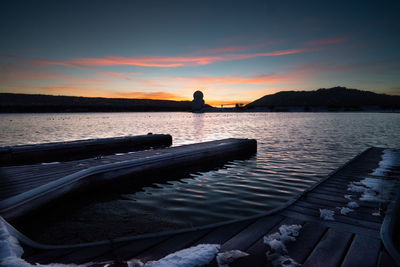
[(161, 61)]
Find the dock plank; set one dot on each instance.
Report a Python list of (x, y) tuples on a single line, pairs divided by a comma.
[(169, 246), (330, 250), (223, 233), (363, 251), (310, 234), (257, 251), (252, 233)]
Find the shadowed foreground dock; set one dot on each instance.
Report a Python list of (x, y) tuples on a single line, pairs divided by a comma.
[(348, 240)]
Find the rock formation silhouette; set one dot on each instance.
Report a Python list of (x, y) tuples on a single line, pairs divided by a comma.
[(198, 102)]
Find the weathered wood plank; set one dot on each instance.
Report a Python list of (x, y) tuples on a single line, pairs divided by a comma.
[(113, 252), (171, 245), (354, 214), (332, 224), (337, 217), (252, 233), (309, 236), (339, 200), (330, 250), (363, 251), (332, 205), (257, 251), (223, 233)]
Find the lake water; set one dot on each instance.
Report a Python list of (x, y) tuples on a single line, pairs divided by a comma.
[(295, 150)]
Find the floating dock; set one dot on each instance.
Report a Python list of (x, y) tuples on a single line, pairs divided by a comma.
[(353, 239), (80, 149), (26, 188)]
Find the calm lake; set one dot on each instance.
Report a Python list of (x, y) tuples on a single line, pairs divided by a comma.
[(295, 150)]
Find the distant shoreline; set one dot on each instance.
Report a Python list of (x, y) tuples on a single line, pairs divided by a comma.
[(216, 110)]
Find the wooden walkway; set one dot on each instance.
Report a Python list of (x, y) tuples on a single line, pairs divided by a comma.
[(349, 240)]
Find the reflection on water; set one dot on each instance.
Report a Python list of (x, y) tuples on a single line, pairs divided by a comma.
[(294, 151)]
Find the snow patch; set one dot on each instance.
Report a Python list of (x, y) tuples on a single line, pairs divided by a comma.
[(353, 205), (9, 246), (284, 261), (348, 197), (375, 189), (224, 258), (277, 244), (378, 190), (134, 263), (377, 213), (388, 160), (194, 256), (345, 210), (326, 214), (50, 163), (11, 251), (372, 189)]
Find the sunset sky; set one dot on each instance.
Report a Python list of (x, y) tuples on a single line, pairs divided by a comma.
[(234, 51)]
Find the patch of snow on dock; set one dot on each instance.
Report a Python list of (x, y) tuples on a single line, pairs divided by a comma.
[(377, 213), (345, 210), (194, 256), (278, 254), (353, 205), (388, 160), (348, 197), (11, 251), (372, 189), (326, 214), (375, 189), (378, 190), (224, 258), (50, 163)]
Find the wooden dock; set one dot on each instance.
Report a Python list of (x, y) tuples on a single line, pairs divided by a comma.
[(26, 188), (349, 240), (79, 149)]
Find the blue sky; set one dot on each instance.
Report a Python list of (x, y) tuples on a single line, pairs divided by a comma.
[(234, 51)]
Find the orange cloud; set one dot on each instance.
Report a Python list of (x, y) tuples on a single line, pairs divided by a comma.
[(147, 95), (162, 61), (334, 40), (226, 103)]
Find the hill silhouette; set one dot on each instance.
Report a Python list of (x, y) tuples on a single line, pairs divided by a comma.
[(332, 98), (47, 103)]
